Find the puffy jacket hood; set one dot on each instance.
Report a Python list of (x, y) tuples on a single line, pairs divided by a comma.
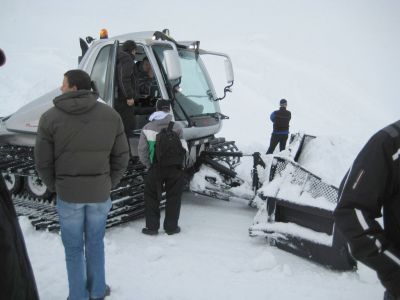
[(76, 102), (162, 120)]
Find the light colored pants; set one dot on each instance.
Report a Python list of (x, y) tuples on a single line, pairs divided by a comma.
[(82, 234)]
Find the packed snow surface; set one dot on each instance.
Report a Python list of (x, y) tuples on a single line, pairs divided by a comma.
[(336, 62)]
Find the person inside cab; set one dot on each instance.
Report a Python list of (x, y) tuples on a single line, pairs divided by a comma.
[(148, 88)]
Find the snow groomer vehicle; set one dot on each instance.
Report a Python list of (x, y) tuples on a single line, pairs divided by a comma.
[(180, 76), (299, 221)]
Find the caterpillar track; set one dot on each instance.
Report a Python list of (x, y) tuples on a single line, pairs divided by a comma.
[(32, 199), (127, 198)]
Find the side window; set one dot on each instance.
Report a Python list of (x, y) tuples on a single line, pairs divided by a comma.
[(99, 70)]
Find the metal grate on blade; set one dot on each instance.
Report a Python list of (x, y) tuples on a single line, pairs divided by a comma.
[(309, 182)]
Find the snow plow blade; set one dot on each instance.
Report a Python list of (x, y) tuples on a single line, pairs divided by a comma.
[(297, 216)]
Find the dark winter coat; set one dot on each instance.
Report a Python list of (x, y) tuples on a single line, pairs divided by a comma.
[(16, 279), (373, 183), (127, 78), (281, 119), (128, 88), (147, 85), (81, 150)]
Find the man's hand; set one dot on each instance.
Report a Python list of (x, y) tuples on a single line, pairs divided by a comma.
[(130, 102)]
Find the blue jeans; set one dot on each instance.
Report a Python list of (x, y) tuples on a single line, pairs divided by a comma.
[(82, 234)]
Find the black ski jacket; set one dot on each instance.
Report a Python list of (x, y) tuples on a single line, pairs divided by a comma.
[(16, 277), (127, 77), (281, 119), (372, 185)]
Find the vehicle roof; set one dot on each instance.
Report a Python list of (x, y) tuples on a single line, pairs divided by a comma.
[(141, 36)]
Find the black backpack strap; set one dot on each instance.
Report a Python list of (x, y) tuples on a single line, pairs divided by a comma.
[(170, 126)]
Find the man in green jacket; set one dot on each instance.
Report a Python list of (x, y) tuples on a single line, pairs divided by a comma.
[(81, 153), (167, 173)]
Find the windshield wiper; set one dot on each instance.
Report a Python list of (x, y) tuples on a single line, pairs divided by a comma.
[(209, 95)]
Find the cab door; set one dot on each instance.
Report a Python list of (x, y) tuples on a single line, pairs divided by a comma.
[(103, 72)]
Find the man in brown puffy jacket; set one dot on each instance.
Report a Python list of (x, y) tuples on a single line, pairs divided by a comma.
[(81, 153)]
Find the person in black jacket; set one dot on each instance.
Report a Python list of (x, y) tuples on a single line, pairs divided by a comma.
[(127, 79), (147, 84), (17, 281), (372, 185), (165, 172), (128, 88), (280, 118)]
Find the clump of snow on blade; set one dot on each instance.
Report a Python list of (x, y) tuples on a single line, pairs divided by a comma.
[(295, 194), (262, 214), (199, 182), (243, 191), (281, 229)]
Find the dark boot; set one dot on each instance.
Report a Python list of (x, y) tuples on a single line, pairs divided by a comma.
[(149, 231), (171, 232)]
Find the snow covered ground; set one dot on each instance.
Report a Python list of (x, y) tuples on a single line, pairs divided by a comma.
[(336, 62), (212, 258)]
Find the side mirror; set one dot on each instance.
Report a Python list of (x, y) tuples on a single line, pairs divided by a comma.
[(229, 71), (2, 58), (172, 64)]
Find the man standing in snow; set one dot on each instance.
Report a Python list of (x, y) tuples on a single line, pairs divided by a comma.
[(280, 118), (372, 185), (171, 176), (127, 79), (128, 87), (81, 153)]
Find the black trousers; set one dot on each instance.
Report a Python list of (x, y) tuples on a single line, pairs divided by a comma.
[(276, 139), (128, 113), (17, 281), (172, 179)]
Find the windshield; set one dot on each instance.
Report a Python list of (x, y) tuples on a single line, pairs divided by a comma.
[(194, 96)]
